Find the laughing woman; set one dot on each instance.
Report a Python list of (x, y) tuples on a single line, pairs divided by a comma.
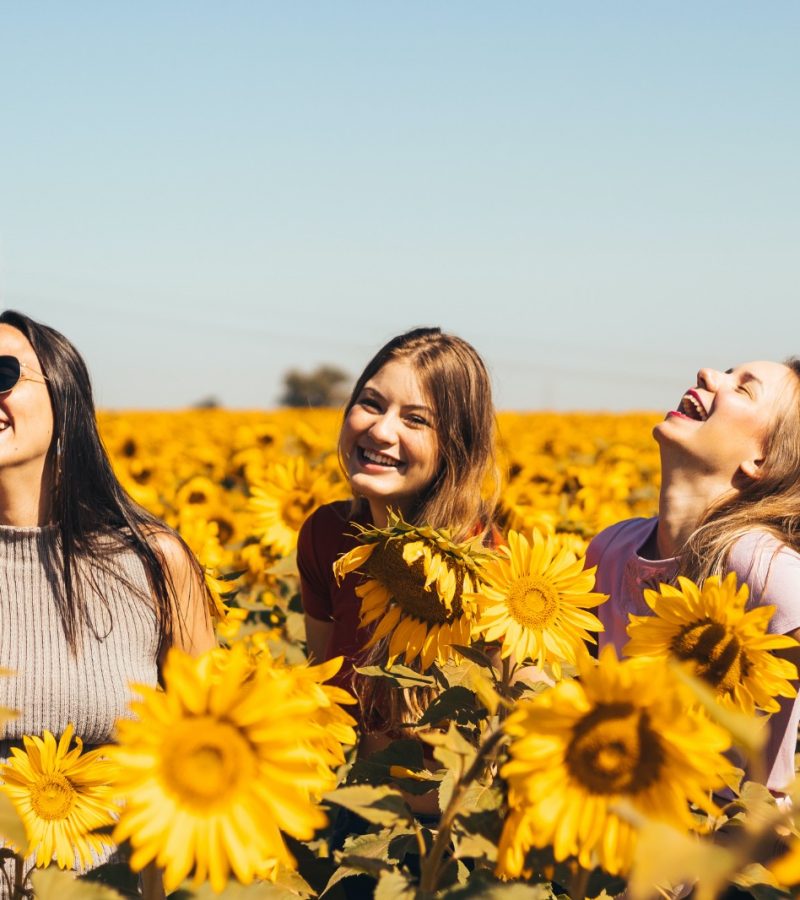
[(417, 438), (730, 502), (93, 589)]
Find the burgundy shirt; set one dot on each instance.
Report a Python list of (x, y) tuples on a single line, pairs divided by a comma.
[(326, 534)]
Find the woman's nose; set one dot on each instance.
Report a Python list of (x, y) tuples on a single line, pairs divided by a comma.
[(709, 379), (383, 430)]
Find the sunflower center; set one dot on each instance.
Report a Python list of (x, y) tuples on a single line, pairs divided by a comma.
[(206, 761), (52, 797), (718, 654), (614, 750), (296, 508), (533, 602), (406, 584)]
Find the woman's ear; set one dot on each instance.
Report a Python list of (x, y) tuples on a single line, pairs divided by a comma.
[(751, 468)]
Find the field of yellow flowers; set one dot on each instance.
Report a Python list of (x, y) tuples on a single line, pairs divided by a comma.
[(239, 774)]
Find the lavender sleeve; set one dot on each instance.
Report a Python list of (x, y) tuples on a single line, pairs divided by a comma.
[(772, 573)]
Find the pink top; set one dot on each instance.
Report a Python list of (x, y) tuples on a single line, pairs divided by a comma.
[(771, 571)]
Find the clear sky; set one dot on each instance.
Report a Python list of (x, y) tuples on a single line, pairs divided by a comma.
[(602, 197)]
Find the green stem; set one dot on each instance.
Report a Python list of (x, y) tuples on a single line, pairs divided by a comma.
[(431, 869), (580, 882)]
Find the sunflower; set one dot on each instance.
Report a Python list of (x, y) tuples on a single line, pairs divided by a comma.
[(288, 494), (419, 584), (216, 765), (202, 538), (728, 646), (621, 733), (62, 796), (535, 598)]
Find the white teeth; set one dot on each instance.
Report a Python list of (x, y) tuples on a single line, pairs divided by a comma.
[(691, 406), (379, 458)]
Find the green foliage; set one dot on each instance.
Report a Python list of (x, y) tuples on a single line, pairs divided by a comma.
[(325, 386)]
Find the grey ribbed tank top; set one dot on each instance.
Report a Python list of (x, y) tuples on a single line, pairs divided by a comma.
[(53, 685)]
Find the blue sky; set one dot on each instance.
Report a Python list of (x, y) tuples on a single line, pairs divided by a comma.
[(601, 197)]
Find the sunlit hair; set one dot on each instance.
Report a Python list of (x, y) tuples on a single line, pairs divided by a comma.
[(463, 493), (769, 503), (94, 515), (464, 490)]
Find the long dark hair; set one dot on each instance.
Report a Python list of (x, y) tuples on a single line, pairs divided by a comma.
[(94, 515)]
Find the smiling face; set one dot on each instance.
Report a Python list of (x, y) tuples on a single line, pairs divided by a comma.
[(26, 415), (389, 441), (723, 423)]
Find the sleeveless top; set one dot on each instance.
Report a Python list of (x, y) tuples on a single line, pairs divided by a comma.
[(118, 643)]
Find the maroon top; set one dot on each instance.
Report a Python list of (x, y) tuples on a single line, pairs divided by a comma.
[(326, 534)]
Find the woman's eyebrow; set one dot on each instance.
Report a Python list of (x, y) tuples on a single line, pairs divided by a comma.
[(419, 406), (746, 375)]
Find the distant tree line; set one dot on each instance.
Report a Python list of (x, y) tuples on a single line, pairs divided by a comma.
[(326, 386)]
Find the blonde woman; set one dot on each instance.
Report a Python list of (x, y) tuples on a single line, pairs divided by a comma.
[(730, 502)]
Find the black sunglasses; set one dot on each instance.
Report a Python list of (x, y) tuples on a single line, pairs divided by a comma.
[(11, 372)]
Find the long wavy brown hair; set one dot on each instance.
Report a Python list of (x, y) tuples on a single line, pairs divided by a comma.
[(462, 495), (768, 503)]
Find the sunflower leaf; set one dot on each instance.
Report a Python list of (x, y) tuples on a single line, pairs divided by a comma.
[(457, 703), (379, 805), (56, 884), (383, 767), (401, 676), (394, 885), (484, 884), (474, 655)]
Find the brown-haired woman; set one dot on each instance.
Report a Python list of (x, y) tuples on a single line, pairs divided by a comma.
[(417, 438), (730, 502)]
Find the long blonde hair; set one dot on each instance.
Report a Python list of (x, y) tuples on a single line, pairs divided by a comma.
[(768, 503), (465, 488)]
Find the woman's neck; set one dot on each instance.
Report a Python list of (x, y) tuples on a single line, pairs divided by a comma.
[(683, 502), (25, 498), (379, 511)]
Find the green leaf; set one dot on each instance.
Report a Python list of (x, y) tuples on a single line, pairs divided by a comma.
[(259, 890), (54, 884), (754, 877), (474, 655), (452, 749), (480, 797), (379, 805), (446, 789), (401, 676), (388, 845), (11, 825), (457, 703), (116, 875), (357, 865), (483, 884), (394, 885), (377, 767)]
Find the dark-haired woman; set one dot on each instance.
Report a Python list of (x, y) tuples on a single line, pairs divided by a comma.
[(730, 502), (93, 589)]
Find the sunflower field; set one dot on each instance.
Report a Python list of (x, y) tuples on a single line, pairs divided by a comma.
[(522, 765)]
